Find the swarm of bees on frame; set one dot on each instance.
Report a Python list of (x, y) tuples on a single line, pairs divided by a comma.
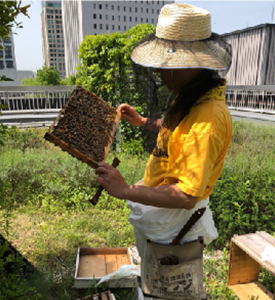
[(86, 124)]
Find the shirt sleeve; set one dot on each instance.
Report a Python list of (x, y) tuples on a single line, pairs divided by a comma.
[(195, 162)]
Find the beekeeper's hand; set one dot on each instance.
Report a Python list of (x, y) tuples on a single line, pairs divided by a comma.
[(111, 180), (129, 114)]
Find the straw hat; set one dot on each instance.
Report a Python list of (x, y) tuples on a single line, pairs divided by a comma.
[(183, 39)]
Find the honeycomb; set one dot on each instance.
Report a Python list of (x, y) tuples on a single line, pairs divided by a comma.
[(85, 124)]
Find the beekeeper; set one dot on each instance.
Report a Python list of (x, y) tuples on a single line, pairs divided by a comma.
[(194, 132)]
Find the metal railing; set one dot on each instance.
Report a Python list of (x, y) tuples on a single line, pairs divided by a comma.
[(35, 99), (259, 99), (46, 99)]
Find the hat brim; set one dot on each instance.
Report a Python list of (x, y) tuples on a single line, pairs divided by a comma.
[(166, 54)]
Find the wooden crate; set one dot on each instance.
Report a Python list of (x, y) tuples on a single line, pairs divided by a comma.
[(102, 296), (94, 263), (244, 265)]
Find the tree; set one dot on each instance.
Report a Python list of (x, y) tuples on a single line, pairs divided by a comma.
[(9, 10), (44, 76), (106, 69), (70, 80)]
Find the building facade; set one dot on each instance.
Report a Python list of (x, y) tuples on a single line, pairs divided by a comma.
[(253, 55), (7, 57), (81, 18), (52, 36), (8, 67)]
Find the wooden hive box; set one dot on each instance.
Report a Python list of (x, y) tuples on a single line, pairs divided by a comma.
[(94, 263), (101, 296), (244, 265), (85, 127)]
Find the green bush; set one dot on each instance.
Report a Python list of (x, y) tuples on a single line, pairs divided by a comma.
[(14, 284), (243, 198)]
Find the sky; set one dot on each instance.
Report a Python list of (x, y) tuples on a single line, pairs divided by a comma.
[(226, 16)]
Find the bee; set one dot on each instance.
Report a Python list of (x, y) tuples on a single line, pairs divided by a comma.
[(86, 124)]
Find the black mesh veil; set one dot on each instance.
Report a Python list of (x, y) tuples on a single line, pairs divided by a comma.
[(170, 107)]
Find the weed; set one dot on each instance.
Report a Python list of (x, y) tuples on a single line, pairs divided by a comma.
[(46, 214)]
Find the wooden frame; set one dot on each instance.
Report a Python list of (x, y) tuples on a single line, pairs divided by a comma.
[(244, 265), (75, 152)]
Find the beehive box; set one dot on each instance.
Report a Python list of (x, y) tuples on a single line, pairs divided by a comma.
[(94, 263), (102, 296), (244, 265), (85, 127)]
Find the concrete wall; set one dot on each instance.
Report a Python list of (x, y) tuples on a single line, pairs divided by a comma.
[(17, 76)]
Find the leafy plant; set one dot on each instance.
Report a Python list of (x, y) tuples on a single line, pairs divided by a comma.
[(43, 76)]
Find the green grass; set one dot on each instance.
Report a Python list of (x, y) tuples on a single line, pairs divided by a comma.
[(46, 214)]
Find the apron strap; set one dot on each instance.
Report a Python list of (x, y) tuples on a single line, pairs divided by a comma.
[(194, 218)]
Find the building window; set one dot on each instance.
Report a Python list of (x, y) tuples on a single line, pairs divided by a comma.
[(136, 9), (49, 31), (130, 19), (94, 26), (94, 16), (100, 6), (130, 9), (106, 17), (94, 6), (124, 18), (113, 27), (158, 11), (124, 28), (141, 20), (9, 64), (113, 18), (136, 19), (124, 8), (118, 8), (118, 27), (100, 17), (147, 21), (113, 7), (152, 11), (107, 27), (141, 9), (147, 10), (152, 21), (106, 6), (100, 26), (118, 18)]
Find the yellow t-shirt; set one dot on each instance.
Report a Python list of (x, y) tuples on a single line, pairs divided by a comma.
[(196, 148)]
